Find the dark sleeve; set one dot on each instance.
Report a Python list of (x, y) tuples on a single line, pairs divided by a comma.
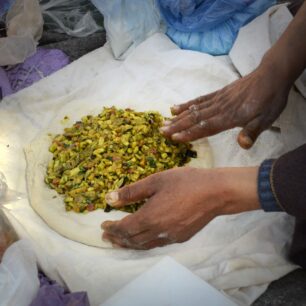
[(288, 183)]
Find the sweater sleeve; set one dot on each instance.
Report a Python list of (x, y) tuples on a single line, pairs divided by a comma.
[(288, 183), (267, 199)]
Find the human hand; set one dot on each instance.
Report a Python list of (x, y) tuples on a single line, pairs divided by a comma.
[(253, 103), (179, 203)]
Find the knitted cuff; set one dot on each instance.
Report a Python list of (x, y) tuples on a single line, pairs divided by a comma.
[(267, 199)]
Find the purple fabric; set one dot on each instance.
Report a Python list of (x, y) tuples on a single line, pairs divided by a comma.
[(43, 63), (52, 294), (5, 86)]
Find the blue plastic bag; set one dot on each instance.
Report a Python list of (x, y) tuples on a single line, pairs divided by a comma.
[(209, 26)]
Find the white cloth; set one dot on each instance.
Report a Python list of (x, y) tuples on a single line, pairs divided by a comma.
[(256, 38), (251, 44), (239, 254)]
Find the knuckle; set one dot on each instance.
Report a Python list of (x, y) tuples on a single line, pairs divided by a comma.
[(126, 193)]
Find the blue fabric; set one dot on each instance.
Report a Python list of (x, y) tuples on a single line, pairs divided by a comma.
[(5, 6), (266, 197), (209, 26)]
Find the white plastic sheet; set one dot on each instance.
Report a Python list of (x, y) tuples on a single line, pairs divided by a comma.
[(128, 23), (19, 282), (24, 28)]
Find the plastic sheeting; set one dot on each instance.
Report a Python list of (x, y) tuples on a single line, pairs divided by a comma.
[(18, 275), (5, 6), (128, 23), (197, 15), (73, 17), (24, 28), (209, 26)]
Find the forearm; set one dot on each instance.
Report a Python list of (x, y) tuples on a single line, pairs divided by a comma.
[(238, 189), (287, 58)]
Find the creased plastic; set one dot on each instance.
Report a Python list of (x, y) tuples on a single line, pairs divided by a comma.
[(18, 275), (7, 232), (73, 17), (209, 26), (24, 28), (128, 23)]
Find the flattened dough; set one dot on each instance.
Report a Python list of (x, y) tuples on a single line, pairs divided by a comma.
[(84, 228)]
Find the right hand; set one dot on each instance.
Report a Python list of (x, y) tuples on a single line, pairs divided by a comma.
[(253, 103), (179, 202)]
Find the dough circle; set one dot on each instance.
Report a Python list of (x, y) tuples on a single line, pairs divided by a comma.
[(83, 228)]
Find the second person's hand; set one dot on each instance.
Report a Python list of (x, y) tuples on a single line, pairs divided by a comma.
[(253, 103)]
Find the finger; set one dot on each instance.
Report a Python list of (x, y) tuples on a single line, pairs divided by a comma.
[(155, 243), (110, 227), (114, 240), (132, 193), (204, 128), (187, 112), (192, 119), (131, 225), (143, 242), (248, 135), (177, 109), (151, 237)]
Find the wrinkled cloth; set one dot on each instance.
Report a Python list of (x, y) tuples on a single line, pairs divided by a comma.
[(43, 63), (239, 254), (209, 26), (52, 294)]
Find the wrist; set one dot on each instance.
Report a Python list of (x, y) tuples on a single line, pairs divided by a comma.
[(276, 71), (238, 189)]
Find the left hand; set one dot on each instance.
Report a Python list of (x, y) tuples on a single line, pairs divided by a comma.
[(253, 102), (179, 203)]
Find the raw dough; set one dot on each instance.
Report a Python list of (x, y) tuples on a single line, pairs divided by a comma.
[(84, 228)]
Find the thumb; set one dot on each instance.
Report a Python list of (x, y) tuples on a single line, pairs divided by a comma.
[(132, 193), (248, 135)]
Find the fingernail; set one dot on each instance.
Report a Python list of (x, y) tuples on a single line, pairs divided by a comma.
[(105, 239), (247, 142), (176, 136), (164, 129), (174, 108), (104, 224), (112, 197), (167, 122)]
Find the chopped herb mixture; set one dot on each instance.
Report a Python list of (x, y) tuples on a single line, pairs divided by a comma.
[(102, 153)]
